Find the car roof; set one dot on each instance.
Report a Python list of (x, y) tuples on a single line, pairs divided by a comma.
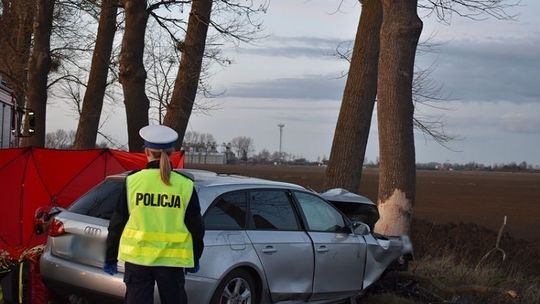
[(206, 179)]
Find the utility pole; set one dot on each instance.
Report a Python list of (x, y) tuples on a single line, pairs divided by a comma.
[(280, 137)]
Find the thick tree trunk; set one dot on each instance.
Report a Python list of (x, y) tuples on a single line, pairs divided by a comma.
[(400, 32), (132, 72), (352, 130), (38, 70), (86, 135), (23, 46), (8, 25), (15, 41), (187, 80)]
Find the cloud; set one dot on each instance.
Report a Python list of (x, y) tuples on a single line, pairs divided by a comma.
[(294, 47), (526, 125), (307, 40), (488, 70), (292, 52), (495, 69), (294, 88)]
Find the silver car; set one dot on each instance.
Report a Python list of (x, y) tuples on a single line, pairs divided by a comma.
[(265, 242)]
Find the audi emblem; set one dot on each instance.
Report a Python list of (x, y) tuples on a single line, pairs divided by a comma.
[(92, 230)]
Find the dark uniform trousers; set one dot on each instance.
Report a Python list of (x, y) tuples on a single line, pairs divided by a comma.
[(140, 282)]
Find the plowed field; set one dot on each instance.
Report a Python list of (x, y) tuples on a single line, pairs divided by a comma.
[(482, 198)]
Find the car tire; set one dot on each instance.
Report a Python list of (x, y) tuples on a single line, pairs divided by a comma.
[(238, 287)]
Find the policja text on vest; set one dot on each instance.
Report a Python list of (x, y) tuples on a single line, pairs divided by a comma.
[(157, 200)]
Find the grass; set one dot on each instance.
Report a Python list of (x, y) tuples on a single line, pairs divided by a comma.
[(490, 283)]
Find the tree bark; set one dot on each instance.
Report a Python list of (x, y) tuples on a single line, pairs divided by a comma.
[(15, 42), (8, 24), (400, 31), (352, 130), (187, 80), (132, 72), (38, 70), (23, 46), (87, 129)]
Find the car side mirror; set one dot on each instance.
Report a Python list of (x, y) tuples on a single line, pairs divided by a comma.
[(360, 228)]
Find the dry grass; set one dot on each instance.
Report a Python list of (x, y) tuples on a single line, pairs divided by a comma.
[(450, 253), (490, 283)]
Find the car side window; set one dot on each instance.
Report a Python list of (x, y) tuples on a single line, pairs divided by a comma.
[(320, 216), (100, 201), (228, 212), (272, 210)]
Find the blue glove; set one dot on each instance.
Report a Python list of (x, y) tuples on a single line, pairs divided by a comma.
[(111, 268), (193, 269)]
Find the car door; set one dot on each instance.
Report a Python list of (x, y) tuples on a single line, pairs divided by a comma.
[(284, 249), (339, 254), (226, 242)]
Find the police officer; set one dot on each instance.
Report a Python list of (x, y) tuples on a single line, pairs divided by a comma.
[(156, 228)]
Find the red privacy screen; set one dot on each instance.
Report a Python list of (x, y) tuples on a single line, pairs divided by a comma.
[(33, 177)]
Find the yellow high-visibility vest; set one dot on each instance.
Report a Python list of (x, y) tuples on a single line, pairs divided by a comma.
[(155, 234)]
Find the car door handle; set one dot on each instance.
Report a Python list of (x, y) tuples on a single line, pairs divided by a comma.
[(322, 249), (269, 249)]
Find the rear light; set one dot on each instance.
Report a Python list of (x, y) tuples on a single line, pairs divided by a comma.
[(56, 228)]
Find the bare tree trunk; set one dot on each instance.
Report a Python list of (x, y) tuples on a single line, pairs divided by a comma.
[(132, 72), (8, 24), (38, 70), (24, 41), (352, 130), (400, 32), (15, 41), (87, 129), (187, 80)]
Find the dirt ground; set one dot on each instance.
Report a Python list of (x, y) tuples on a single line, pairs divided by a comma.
[(482, 198)]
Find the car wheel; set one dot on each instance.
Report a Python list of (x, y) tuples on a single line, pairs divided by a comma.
[(238, 287)]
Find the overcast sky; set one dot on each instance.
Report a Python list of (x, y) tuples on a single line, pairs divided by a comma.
[(489, 69)]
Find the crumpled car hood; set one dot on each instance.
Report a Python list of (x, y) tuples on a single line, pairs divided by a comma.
[(342, 195)]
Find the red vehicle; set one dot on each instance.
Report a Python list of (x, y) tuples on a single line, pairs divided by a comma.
[(10, 118)]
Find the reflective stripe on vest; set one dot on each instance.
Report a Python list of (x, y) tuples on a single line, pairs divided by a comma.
[(155, 234)]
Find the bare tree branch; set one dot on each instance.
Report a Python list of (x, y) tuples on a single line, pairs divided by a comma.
[(112, 141), (157, 5), (162, 21), (471, 9), (67, 78)]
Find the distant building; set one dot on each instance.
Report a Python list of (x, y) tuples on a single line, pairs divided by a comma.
[(211, 158)]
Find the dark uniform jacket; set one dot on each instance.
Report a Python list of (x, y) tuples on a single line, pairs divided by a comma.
[(192, 219)]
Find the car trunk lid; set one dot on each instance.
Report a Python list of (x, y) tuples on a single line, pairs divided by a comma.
[(79, 238)]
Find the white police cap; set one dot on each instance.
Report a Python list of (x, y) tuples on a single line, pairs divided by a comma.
[(158, 137)]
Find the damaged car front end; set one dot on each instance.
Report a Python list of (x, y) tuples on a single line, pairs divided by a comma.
[(384, 253)]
